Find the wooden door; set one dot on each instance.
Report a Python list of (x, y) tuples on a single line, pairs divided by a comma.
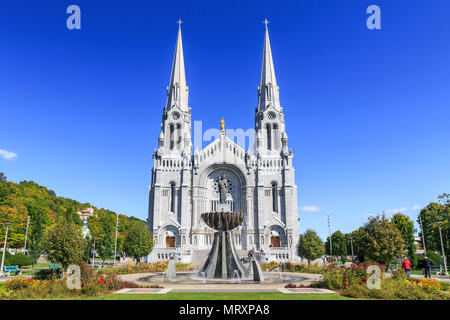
[(170, 242), (275, 242)]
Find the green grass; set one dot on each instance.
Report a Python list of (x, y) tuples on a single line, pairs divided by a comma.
[(38, 265), (218, 296)]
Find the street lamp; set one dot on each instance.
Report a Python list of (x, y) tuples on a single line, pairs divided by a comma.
[(442, 248), (329, 232), (26, 235), (423, 236), (351, 245), (115, 243), (93, 256), (4, 247)]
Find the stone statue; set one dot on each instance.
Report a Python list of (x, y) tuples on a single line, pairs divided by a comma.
[(223, 187)]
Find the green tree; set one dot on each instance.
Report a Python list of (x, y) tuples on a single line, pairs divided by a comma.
[(36, 237), (431, 215), (406, 227), (380, 240), (338, 244), (310, 246), (64, 244), (138, 242), (19, 259)]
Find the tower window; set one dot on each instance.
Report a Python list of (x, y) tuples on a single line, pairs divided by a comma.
[(171, 138), (269, 137), (274, 197), (172, 197)]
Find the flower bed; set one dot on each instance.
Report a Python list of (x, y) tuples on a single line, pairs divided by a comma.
[(352, 282), (292, 267), (91, 283), (148, 267)]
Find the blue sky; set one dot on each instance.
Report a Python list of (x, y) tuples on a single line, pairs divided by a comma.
[(367, 111)]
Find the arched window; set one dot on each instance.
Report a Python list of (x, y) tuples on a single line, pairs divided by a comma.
[(172, 197), (269, 137), (274, 197), (171, 138), (276, 138)]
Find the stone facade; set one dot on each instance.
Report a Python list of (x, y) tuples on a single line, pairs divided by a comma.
[(184, 183)]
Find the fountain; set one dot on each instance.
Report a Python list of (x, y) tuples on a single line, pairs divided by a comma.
[(171, 271), (223, 261)]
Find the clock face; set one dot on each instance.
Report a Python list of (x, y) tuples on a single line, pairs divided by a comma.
[(175, 116), (271, 115)]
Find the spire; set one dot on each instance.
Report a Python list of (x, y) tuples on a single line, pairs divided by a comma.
[(268, 89), (177, 91)]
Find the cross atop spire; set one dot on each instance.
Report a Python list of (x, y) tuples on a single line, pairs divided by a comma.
[(268, 89), (266, 22), (177, 91)]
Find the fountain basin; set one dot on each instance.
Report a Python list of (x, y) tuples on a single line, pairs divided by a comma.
[(223, 221)]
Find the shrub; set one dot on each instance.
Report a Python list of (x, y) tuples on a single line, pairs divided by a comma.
[(48, 274), (430, 285), (396, 289), (159, 266), (19, 259), (399, 274), (17, 283)]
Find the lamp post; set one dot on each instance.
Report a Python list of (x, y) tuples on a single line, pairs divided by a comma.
[(442, 248), (329, 232), (115, 243), (423, 236), (4, 247), (93, 256), (351, 245), (26, 235)]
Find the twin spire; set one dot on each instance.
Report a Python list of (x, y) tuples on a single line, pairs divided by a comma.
[(177, 91), (268, 90)]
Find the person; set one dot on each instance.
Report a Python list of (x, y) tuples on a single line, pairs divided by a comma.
[(406, 265), (427, 267)]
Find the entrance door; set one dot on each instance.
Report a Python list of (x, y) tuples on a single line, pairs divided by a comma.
[(170, 242), (275, 242)]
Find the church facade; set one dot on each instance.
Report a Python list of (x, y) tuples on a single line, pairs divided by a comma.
[(184, 184)]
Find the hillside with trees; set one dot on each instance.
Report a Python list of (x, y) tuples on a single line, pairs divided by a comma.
[(18, 201)]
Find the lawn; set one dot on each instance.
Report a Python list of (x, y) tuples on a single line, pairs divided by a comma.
[(218, 296)]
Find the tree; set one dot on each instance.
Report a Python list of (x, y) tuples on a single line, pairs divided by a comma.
[(338, 243), (64, 244), (138, 242), (430, 216), (380, 240), (406, 227), (104, 247), (36, 237), (310, 246)]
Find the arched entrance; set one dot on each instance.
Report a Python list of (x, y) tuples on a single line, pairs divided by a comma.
[(170, 238), (275, 237)]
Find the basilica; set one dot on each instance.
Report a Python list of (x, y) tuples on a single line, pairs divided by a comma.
[(259, 184)]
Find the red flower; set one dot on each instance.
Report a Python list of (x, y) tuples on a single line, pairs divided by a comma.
[(346, 277)]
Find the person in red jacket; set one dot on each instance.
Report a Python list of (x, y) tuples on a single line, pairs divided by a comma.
[(406, 265)]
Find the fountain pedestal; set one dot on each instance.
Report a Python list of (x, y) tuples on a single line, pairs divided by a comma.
[(223, 261)]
